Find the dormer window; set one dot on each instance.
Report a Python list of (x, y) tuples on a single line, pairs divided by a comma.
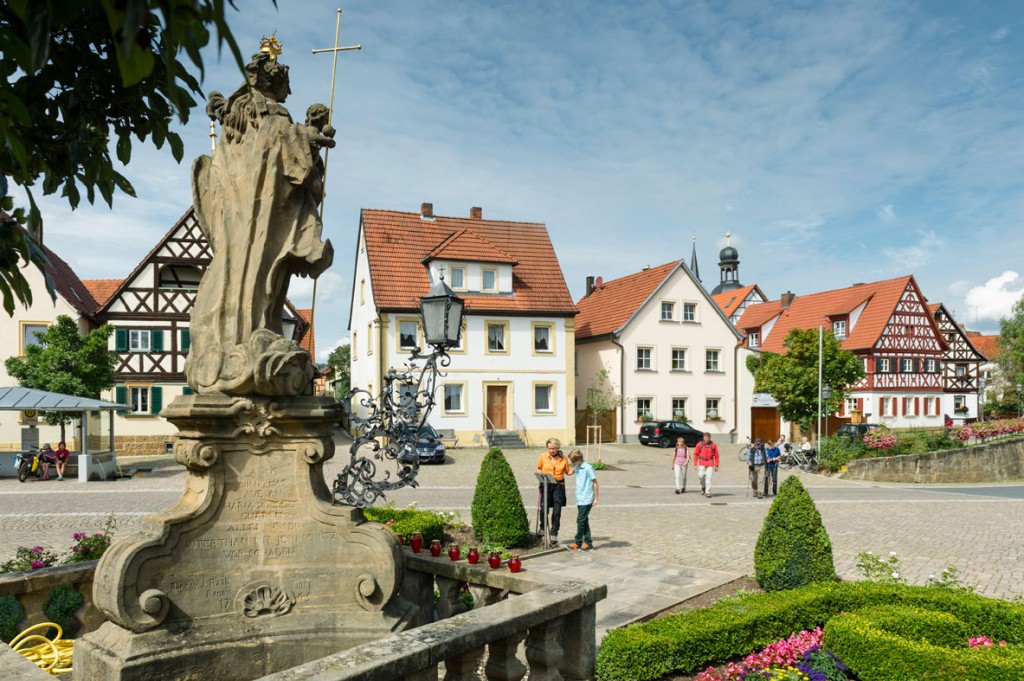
[(489, 280), (754, 339), (458, 278), (180, 277), (839, 328)]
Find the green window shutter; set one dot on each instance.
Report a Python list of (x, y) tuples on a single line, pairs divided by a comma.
[(187, 390), (121, 395), (120, 343), (156, 399), (186, 340), (156, 340)]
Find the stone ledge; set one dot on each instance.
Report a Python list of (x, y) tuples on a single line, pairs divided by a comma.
[(991, 462)]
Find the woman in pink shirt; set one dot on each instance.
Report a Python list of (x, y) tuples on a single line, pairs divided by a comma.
[(680, 463)]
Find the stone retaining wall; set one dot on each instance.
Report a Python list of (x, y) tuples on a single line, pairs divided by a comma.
[(140, 445), (995, 462)]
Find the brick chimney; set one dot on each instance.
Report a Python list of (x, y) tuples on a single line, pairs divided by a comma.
[(590, 284), (426, 210), (476, 213), (786, 299)]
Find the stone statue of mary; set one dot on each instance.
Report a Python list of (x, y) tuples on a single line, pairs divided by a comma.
[(256, 201)]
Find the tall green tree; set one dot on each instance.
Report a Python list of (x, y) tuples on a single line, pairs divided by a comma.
[(1011, 351), (66, 362), (339, 360), (80, 77), (792, 378)]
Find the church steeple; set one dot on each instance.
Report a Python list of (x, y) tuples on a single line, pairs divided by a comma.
[(729, 268), (693, 259)]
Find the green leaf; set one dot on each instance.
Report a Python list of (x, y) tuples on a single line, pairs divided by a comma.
[(177, 148), (135, 66), (37, 23), (124, 148)]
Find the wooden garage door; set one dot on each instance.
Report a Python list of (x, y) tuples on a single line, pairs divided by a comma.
[(764, 423)]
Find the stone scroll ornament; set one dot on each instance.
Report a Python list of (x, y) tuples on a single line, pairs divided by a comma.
[(256, 200)]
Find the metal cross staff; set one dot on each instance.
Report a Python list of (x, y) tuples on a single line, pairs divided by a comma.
[(330, 114)]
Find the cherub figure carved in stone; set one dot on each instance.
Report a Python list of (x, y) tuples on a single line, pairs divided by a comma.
[(257, 202)]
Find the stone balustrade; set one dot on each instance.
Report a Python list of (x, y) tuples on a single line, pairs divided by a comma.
[(556, 621)]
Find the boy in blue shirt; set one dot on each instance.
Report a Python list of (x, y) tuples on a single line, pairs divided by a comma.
[(586, 499)]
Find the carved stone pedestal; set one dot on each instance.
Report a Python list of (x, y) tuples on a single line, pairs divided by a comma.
[(253, 570)]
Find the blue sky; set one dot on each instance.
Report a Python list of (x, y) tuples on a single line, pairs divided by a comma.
[(839, 142)]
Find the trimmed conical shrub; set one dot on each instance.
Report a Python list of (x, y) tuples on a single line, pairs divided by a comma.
[(793, 549), (498, 513)]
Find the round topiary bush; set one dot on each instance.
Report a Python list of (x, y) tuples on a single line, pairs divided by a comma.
[(793, 548), (499, 516)]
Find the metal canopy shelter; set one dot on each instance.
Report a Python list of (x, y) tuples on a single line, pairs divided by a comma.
[(28, 399)]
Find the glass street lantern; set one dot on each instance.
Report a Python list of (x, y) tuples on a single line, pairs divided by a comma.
[(442, 311)]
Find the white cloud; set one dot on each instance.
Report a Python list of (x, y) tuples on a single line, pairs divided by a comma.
[(329, 286), (999, 34), (959, 288), (886, 213), (995, 298), (323, 354), (916, 255)]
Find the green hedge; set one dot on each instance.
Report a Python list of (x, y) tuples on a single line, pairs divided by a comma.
[(499, 517), (409, 520), (691, 641), (793, 549), (896, 643)]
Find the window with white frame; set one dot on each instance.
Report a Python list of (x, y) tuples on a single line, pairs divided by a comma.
[(960, 403), (679, 408), (542, 338), (678, 359), (887, 406), (909, 406), (711, 360), (453, 394), (839, 328), (928, 411), (138, 340), (930, 366), (490, 280), (961, 369), (644, 407), (689, 312), (668, 311), (643, 359), (882, 365), (497, 341), (543, 402), (711, 408), (906, 365), (458, 278), (754, 339), (139, 400), (851, 405), (408, 334)]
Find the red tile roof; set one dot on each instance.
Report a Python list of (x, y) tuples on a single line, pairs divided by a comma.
[(102, 289), (464, 245), (809, 311), (988, 346), (308, 340), (728, 301), (609, 307), (398, 242), (68, 285)]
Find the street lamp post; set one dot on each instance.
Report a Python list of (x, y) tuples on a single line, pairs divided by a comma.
[(400, 410), (981, 398), (1020, 407)]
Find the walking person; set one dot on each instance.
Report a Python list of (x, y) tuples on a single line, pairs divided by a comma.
[(773, 453), (705, 456), (756, 461), (586, 499), (680, 464), (554, 463)]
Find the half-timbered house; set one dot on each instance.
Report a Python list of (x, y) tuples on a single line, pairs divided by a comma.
[(961, 368), (149, 310), (889, 326)]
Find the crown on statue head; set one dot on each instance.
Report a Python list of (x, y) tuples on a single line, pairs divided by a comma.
[(271, 45)]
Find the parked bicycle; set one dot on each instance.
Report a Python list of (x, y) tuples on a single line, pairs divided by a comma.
[(806, 460), (744, 449)]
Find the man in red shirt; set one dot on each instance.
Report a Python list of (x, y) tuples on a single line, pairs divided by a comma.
[(706, 457), (554, 463)]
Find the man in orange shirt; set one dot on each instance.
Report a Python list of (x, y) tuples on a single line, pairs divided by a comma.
[(554, 463)]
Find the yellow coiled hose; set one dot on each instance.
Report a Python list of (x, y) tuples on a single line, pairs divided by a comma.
[(52, 655)]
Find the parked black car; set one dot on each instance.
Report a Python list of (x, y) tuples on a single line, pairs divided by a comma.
[(855, 430), (664, 433), (429, 445)]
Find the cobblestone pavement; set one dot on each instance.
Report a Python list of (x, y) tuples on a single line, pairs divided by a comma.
[(643, 531)]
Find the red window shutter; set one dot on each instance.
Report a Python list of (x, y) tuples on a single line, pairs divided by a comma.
[(860, 404), (916, 411)]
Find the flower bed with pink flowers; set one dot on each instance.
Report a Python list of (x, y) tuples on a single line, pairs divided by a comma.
[(986, 430)]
